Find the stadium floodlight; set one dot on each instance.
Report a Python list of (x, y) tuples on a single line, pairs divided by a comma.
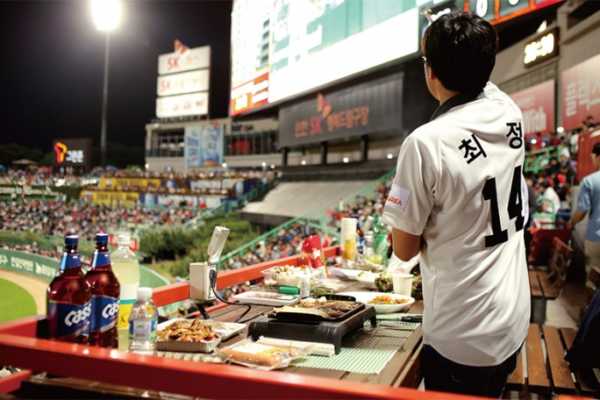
[(106, 14)]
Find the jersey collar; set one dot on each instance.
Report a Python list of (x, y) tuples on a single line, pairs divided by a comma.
[(458, 100)]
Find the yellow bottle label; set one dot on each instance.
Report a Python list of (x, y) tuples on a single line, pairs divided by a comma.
[(349, 250)]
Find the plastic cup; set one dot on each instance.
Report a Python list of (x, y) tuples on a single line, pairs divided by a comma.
[(402, 283)]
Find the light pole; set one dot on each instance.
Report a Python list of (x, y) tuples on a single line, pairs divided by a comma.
[(106, 15)]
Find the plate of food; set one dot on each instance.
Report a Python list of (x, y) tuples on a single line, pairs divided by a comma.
[(189, 335), (367, 278), (225, 330), (384, 303), (283, 275)]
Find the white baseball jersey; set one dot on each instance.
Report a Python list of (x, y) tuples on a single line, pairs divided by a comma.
[(459, 184)]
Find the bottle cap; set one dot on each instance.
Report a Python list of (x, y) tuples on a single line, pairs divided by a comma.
[(144, 294), (71, 240), (102, 239)]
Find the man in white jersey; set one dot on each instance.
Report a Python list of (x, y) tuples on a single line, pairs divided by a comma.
[(459, 199)]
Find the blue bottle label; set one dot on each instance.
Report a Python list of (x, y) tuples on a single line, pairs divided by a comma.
[(70, 261), (72, 319), (101, 258), (105, 312)]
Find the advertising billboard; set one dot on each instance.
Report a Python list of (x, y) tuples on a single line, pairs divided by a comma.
[(183, 82), (203, 145), (537, 105), (580, 93), (186, 82), (184, 60), (373, 107), (284, 47), (182, 105)]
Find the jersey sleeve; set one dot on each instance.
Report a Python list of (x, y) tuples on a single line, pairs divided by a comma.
[(411, 197), (584, 201)]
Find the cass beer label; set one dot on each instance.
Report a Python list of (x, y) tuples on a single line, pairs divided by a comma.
[(105, 313), (72, 319), (101, 258)]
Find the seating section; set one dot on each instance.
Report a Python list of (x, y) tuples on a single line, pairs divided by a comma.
[(542, 369), (547, 282), (304, 199)]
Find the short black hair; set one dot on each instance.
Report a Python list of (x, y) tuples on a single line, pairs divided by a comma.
[(460, 48), (596, 149)]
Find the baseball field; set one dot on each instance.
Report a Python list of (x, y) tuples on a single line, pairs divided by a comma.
[(15, 301)]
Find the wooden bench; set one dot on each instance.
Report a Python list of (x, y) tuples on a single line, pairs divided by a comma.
[(546, 283), (542, 369)]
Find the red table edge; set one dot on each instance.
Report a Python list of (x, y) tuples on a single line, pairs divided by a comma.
[(175, 376), (19, 347)]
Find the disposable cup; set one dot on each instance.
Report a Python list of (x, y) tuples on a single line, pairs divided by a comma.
[(402, 283)]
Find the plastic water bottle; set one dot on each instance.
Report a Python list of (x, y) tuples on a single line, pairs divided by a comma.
[(127, 269), (142, 323), (305, 285)]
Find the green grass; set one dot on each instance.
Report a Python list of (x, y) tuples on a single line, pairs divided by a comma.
[(15, 302)]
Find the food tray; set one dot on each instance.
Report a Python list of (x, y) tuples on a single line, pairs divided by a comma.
[(225, 330), (264, 356), (265, 298), (189, 347)]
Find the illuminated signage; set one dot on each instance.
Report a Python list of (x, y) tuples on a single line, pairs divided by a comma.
[(369, 108), (184, 59), (62, 154), (541, 48), (183, 82)]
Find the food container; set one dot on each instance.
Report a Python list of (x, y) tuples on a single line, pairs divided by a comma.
[(189, 347), (225, 330), (261, 356)]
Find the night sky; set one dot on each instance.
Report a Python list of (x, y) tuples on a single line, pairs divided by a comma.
[(52, 66)]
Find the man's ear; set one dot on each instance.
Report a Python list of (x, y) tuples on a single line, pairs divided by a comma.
[(432, 76)]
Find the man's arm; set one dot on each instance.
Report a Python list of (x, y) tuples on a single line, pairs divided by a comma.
[(576, 218), (584, 203), (405, 245)]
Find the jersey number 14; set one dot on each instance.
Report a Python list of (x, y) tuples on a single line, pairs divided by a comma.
[(515, 208)]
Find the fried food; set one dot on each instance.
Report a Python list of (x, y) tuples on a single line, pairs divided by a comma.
[(387, 300), (191, 331)]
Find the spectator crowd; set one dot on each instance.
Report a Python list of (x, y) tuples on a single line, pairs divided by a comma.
[(57, 217)]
